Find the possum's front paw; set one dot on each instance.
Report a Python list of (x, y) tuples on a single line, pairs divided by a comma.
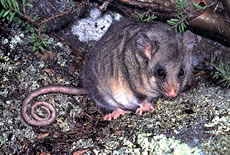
[(145, 106), (115, 114)]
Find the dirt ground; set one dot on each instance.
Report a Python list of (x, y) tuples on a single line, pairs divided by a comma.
[(196, 122)]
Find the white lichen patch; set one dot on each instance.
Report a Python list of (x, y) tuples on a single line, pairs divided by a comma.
[(147, 144), (93, 27), (5, 41), (83, 144), (163, 145), (63, 124), (7, 63), (221, 124), (59, 44), (11, 132), (16, 39)]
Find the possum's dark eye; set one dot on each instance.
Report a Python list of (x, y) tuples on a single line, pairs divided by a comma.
[(160, 72), (181, 73)]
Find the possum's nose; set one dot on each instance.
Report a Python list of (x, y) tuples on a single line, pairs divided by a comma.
[(172, 92)]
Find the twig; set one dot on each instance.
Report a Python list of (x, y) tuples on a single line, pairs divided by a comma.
[(44, 21), (105, 4), (153, 6)]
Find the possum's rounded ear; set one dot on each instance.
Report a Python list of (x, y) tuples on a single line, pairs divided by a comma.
[(145, 45), (189, 40)]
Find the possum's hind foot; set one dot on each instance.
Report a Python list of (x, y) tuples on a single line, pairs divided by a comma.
[(115, 114), (145, 106)]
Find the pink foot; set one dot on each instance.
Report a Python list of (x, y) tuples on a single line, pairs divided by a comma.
[(115, 114), (145, 106)]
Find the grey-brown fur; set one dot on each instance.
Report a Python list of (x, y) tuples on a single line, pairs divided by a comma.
[(132, 64), (120, 54)]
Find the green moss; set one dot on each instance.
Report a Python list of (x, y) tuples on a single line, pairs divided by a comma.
[(217, 145), (220, 129), (147, 144)]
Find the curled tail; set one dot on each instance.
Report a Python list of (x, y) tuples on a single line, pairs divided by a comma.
[(36, 120)]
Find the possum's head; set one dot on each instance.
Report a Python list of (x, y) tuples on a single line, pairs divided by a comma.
[(171, 73), (169, 64)]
